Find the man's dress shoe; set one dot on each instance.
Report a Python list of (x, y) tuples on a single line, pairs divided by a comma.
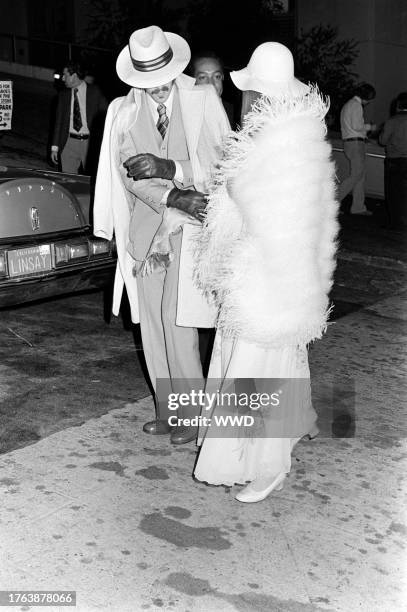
[(158, 427), (183, 435)]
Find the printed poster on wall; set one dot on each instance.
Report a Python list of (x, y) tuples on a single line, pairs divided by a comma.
[(6, 104)]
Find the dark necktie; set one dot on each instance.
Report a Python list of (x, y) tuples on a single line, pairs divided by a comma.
[(163, 121), (77, 119)]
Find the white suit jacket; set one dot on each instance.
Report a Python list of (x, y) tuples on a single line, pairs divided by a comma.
[(205, 124)]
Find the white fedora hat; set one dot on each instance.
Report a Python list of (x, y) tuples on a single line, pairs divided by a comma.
[(152, 58), (270, 71)]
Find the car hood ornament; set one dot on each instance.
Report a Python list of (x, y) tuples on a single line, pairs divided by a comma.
[(35, 218)]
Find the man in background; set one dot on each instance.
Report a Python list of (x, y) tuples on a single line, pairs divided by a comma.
[(354, 133), (80, 110), (207, 67), (394, 138)]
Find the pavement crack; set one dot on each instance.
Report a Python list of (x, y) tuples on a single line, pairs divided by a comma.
[(20, 337)]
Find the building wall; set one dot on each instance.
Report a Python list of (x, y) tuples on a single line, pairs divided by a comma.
[(48, 19), (14, 21), (380, 27), (82, 11)]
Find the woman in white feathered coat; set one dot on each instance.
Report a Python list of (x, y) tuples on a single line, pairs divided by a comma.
[(267, 254)]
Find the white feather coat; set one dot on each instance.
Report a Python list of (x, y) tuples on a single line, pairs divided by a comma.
[(267, 250)]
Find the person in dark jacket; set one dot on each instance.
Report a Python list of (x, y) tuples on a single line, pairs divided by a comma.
[(80, 111), (207, 67)]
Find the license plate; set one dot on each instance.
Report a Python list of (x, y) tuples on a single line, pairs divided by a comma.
[(32, 260)]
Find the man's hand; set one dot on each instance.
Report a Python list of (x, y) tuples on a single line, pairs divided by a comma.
[(192, 202), (147, 165), (54, 157)]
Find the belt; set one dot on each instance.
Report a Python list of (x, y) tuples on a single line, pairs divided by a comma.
[(356, 138), (79, 136)]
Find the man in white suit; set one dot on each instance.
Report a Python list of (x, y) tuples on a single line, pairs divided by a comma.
[(159, 145)]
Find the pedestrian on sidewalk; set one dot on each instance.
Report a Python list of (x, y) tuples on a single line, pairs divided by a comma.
[(159, 145), (394, 137), (267, 252), (80, 112), (354, 132)]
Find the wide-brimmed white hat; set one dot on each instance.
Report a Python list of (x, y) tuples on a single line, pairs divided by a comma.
[(152, 58), (270, 71)]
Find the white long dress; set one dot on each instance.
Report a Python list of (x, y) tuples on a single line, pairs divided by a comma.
[(236, 460), (267, 252)]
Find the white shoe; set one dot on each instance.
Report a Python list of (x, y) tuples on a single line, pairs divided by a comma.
[(250, 495)]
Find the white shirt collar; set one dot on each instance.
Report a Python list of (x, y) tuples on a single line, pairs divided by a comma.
[(80, 87)]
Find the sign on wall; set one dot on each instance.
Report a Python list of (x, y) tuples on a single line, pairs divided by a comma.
[(6, 104)]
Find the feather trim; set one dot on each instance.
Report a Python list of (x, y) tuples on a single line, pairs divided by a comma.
[(267, 249)]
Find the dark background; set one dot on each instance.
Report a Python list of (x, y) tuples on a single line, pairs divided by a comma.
[(94, 31)]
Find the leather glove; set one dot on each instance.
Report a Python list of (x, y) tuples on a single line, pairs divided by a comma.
[(147, 165), (190, 201)]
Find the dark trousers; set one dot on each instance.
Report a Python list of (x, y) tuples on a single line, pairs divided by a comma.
[(395, 178)]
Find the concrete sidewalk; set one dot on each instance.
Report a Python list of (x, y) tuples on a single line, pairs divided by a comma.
[(114, 514)]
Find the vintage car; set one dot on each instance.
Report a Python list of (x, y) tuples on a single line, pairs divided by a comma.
[(375, 155), (46, 242)]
